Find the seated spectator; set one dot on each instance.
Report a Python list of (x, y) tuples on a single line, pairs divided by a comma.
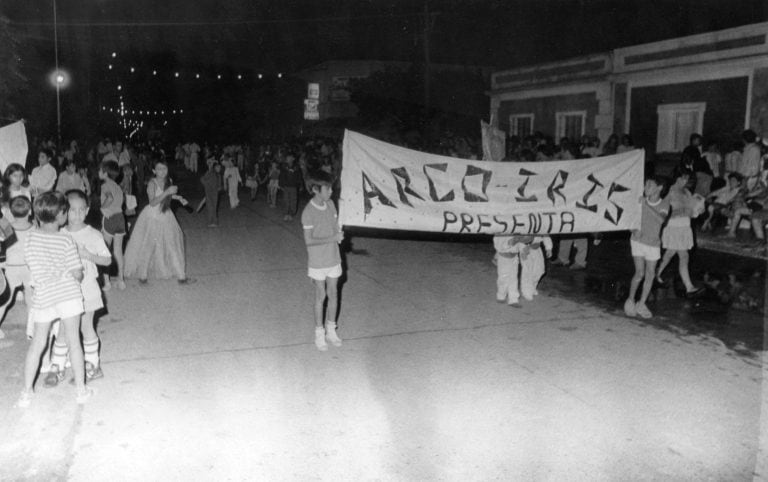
[(611, 145), (626, 144), (732, 159), (564, 154), (756, 208), (714, 159), (725, 201), (592, 148)]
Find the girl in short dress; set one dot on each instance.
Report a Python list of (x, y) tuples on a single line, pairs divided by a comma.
[(677, 236), (156, 247)]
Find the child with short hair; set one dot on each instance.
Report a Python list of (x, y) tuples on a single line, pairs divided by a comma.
[(16, 270), (92, 251), (646, 246), (113, 219), (211, 182), (56, 273), (274, 184), (322, 235), (43, 177)]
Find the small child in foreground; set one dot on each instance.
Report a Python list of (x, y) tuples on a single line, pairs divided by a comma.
[(532, 266), (508, 249), (322, 236), (93, 251), (56, 273)]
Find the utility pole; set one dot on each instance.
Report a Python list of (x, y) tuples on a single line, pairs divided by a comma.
[(57, 76), (429, 23)]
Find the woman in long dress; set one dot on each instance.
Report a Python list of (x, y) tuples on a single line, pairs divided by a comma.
[(156, 246)]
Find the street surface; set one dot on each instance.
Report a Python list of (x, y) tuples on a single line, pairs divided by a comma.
[(220, 380)]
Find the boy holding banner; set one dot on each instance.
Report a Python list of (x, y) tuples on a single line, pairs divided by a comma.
[(322, 236)]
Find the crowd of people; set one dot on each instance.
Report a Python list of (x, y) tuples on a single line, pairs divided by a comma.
[(82, 222)]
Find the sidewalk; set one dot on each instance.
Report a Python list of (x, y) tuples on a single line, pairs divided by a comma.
[(436, 381)]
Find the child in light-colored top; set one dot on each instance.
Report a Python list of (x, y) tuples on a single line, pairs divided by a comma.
[(532, 266), (56, 273), (43, 177), (508, 249), (16, 270), (92, 251), (677, 236), (725, 200), (322, 235), (646, 247), (232, 181), (70, 179), (113, 220), (274, 184)]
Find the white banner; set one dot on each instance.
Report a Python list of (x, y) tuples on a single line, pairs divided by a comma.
[(13, 145), (391, 187)]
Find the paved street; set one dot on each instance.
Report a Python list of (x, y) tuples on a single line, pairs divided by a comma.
[(220, 380)]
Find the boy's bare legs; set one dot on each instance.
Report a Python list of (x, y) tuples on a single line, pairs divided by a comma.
[(640, 307), (332, 292), (118, 251), (34, 353), (629, 305), (333, 308), (108, 240), (71, 328), (650, 269), (319, 312)]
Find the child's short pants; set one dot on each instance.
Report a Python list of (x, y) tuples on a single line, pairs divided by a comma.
[(642, 250), (64, 309), (114, 224), (92, 300), (320, 274)]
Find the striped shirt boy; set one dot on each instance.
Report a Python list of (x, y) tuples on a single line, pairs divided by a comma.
[(52, 257)]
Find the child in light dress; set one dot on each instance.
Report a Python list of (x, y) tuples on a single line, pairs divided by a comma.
[(156, 247)]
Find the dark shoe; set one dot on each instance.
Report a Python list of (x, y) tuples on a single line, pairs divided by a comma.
[(53, 377), (92, 372), (695, 293), (143, 281), (658, 282), (187, 281)]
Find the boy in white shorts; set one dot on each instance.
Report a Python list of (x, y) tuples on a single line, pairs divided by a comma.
[(56, 273), (322, 235), (92, 251), (646, 246)]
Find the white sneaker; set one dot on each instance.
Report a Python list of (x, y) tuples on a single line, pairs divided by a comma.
[(320, 339), (629, 308), (330, 334)]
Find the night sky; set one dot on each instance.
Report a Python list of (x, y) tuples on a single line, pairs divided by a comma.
[(286, 35), (233, 37)]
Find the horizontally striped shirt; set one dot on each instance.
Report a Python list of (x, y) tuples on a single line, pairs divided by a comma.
[(52, 257)]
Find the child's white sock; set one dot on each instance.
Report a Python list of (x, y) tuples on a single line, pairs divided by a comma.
[(59, 357), (91, 351)]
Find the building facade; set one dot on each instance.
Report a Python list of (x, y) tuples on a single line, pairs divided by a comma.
[(715, 84)]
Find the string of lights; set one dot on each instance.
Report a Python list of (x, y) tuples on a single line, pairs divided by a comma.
[(133, 118)]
